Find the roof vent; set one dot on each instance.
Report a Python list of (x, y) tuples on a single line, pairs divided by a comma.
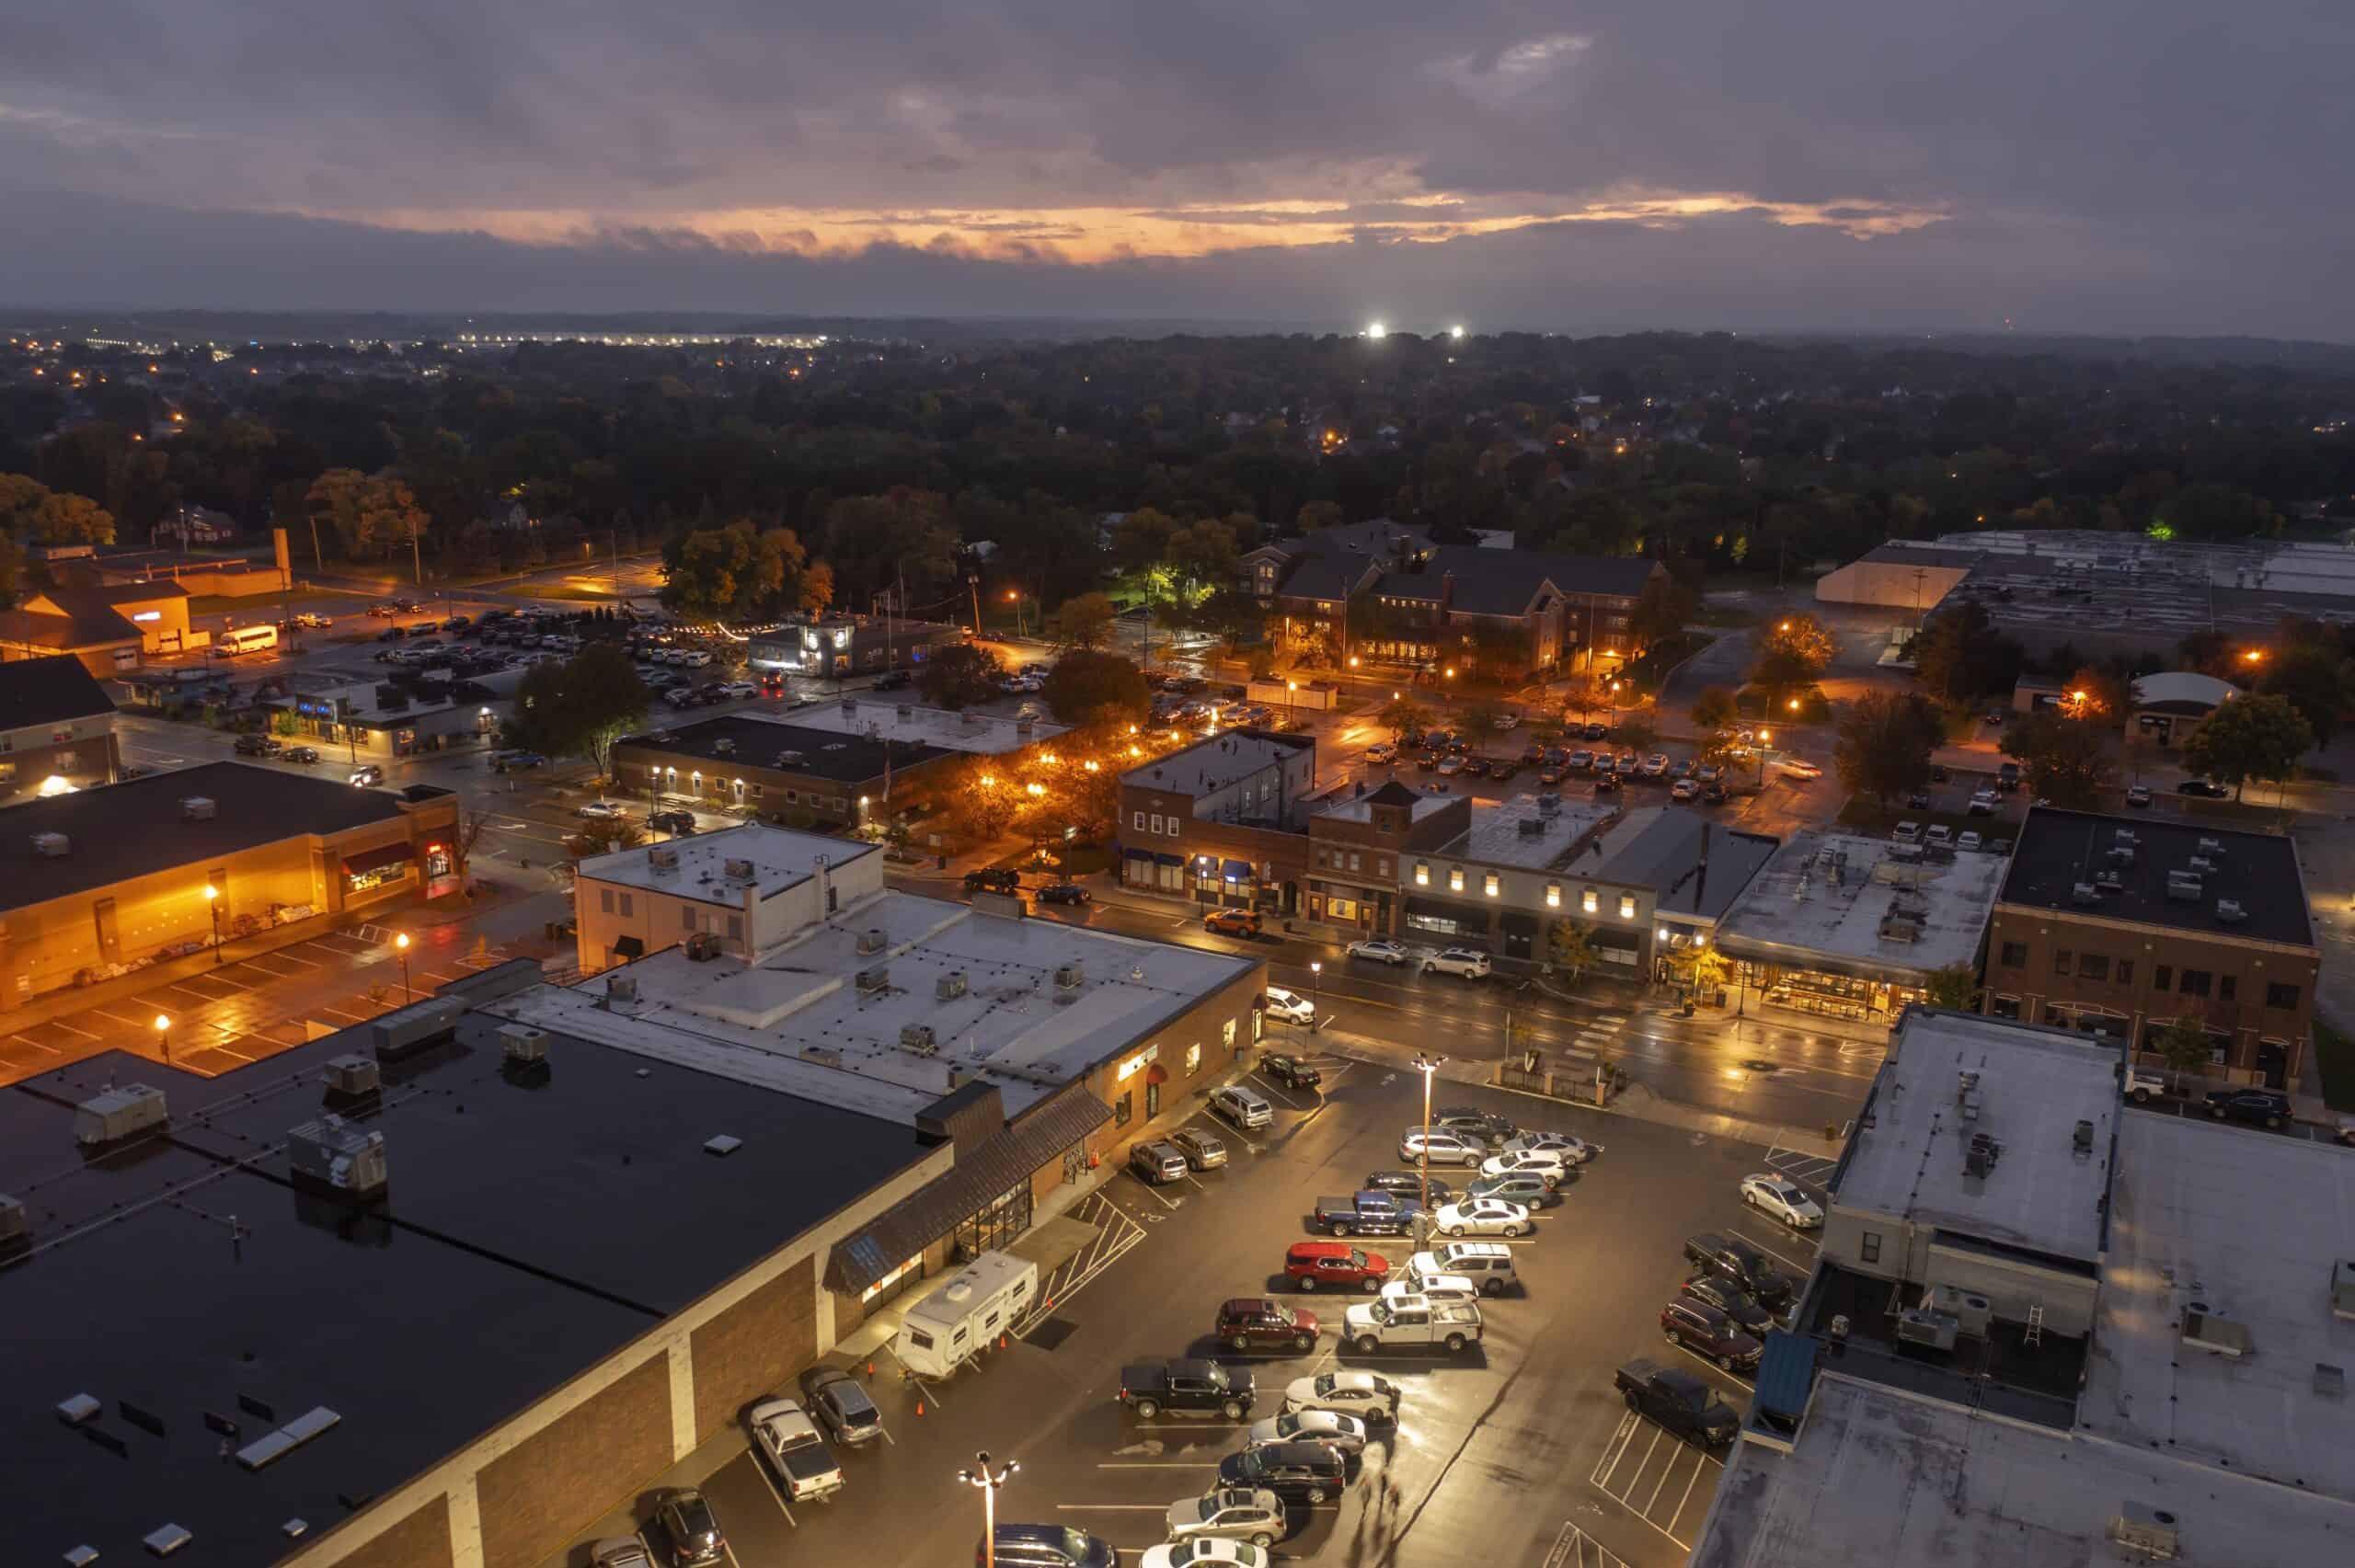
[(521, 1042), (354, 1074), (702, 947), (118, 1114), (15, 1229), (199, 808), (2152, 1532), (164, 1540), (2230, 912), (739, 871), (919, 1038), (332, 1153), (2213, 848), (1547, 805), (951, 986), (2084, 893), (875, 982), (2184, 886), (621, 987), (1068, 976), (54, 845), (2201, 864), (663, 857), (872, 940), (2126, 836)]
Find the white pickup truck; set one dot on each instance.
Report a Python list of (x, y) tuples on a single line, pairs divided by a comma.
[(1411, 1319), (789, 1440), (2143, 1086)]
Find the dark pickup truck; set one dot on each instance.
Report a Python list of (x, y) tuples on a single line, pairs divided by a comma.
[(1200, 1388), (1679, 1402), (1366, 1213)]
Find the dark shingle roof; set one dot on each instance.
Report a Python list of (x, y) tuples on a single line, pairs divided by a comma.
[(1394, 794), (89, 620), (1326, 576), (1504, 582), (49, 690)]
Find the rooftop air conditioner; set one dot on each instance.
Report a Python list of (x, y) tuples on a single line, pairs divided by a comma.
[(621, 987), (521, 1042), (872, 940), (2183, 887), (118, 1113), (663, 857), (702, 947), (789, 759), (738, 870), (1530, 827), (2230, 912), (2213, 848), (15, 1229), (875, 982), (354, 1074), (906, 712), (54, 845), (722, 747), (950, 986), (199, 808), (2084, 893), (2200, 863), (332, 1153), (1068, 976), (918, 1038)]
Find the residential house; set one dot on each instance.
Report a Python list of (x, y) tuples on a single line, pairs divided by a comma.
[(56, 730)]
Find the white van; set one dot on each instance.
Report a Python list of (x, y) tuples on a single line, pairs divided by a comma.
[(966, 1314), (1487, 1264), (248, 640)]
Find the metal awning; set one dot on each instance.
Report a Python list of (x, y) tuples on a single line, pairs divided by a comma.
[(629, 947), (1234, 870), (1169, 859), (1132, 853), (361, 862)]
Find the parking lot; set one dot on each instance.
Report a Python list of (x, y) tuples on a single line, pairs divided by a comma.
[(1520, 1450)]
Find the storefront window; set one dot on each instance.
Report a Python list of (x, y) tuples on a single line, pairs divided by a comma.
[(1227, 1034), (1121, 1108), (1194, 1058), (889, 1281)]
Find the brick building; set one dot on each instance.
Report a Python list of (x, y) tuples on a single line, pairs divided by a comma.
[(1356, 849), (1223, 823), (56, 730), (2120, 925)]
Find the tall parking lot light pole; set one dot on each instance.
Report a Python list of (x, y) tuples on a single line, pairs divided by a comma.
[(400, 942), (988, 1481), (1427, 1066), (213, 905)]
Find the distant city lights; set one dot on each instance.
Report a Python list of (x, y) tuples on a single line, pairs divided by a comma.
[(1456, 331)]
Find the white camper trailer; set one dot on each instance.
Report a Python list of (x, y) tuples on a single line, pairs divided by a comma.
[(967, 1313)]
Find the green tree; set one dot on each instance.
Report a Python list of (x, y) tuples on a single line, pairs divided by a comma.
[(2184, 1046), (1792, 655), (2256, 737), (1314, 515), (1479, 717), (2068, 765), (1569, 951), (1716, 708), (2094, 696), (580, 708), (1961, 656), (741, 573), (1635, 731), (1083, 623), (2317, 681), (61, 518), (602, 835), (1404, 715), (1664, 609), (1884, 744), (873, 542), (1087, 687), (1956, 986), (958, 677)]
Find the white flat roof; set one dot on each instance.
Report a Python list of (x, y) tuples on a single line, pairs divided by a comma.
[(2247, 1222), (1827, 898), (780, 858), (2035, 1086), (1361, 808), (794, 1019), (1495, 837), (1881, 1479), (1214, 762), (881, 719)]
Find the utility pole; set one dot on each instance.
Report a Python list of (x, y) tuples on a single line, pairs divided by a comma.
[(416, 555), (973, 585)]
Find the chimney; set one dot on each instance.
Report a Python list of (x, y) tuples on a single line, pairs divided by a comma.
[(1446, 591)]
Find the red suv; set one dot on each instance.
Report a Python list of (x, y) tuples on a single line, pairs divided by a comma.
[(1232, 922), (1254, 1323), (1318, 1265)]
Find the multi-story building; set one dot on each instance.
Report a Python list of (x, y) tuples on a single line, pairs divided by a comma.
[(746, 889), (850, 645), (1356, 848), (56, 730), (1224, 821), (2121, 925)]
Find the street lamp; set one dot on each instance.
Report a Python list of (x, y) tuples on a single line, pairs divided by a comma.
[(164, 1034), (1291, 698), (213, 907), (987, 1482), (1426, 1065), (1763, 737), (1315, 987), (400, 946)]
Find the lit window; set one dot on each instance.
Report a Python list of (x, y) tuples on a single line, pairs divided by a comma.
[(1553, 894), (1491, 883), (1455, 879), (1227, 1034), (1587, 901), (1194, 1058), (1422, 873), (1626, 906)]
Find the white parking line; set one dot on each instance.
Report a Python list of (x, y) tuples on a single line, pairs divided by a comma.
[(102, 1013), (1784, 1257), (1151, 1188), (38, 1046), (60, 1024), (763, 1471), (1279, 1094), (1157, 1464), (1712, 1366)]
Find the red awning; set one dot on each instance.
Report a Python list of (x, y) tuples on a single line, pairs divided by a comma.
[(1157, 1074)]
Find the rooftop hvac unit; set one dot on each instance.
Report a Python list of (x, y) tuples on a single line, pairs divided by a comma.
[(332, 1153), (354, 1074), (2084, 893), (918, 1038), (2231, 911), (905, 713), (1022, 728), (2126, 836), (872, 940), (2138, 1528), (1930, 1329), (2121, 855), (1970, 1311), (722, 747), (1530, 827), (2184, 886), (621, 987), (422, 1024), (2213, 848), (702, 947), (789, 759), (1547, 805), (54, 845), (118, 1114), (739, 870), (199, 808), (2211, 1330), (875, 982), (521, 1042), (14, 1227), (951, 986), (2342, 1288), (1068, 976), (663, 857), (2200, 863)]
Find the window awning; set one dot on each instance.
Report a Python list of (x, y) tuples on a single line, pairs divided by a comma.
[(1170, 859), (1235, 870), (629, 947), (360, 862), (1156, 1073), (1132, 853), (1467, 917)]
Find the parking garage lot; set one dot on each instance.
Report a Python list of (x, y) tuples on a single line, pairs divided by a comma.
[(1519, 1450)]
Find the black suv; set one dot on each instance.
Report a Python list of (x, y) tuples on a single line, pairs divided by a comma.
[(1201, 1386), (1470, 1121), (2265, 1107), (1297, 1473), (1728, 1298), (1045, 1546), (1289, 1070), (992, 879), (1741, 1264), (1407, 1183), (678, 824), (1063, 893)]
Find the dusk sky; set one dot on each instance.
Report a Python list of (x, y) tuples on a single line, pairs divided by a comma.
[(2103, 165)]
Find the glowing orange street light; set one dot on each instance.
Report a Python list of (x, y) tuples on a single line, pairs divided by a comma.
[(164, 1034), (2254, 656), (1794, 705), (400, 944)]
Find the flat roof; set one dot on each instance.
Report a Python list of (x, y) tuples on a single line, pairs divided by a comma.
[(129, 829), (2059, 849), (1361, 809), (879, 718), (532, 1225), (1879, 1477), (2247, 1222), (1864, 906), (794, 1019), (2034, 1085), (1694, 866), (750, 741), (781, 858), (1497, 836), (1220, 761)]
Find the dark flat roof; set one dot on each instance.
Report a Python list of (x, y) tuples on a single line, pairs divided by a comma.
[(130, 829), (530, 1229), (2057, 849), (755, 742), (49, 690)]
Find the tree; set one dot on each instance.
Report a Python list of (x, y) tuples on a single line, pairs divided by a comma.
[(1479, 718), (2184, 1046), (958, 677), (1716, 708), (1636, 731), (2317, 681), (1404, 715), (1083, 623), (602, 835), (872, 542), (2068, 765), (580, 708), (369, 513), (64, 519), (742, 573), (1569, 951), (1884, 744), (1792, 654), (1086, 687), (1662, 609), (2256, 737), (1961, 656), (2094, 696), (1314, 515), (1956, 986)]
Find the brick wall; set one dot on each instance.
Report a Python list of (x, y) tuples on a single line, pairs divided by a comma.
[(755, 1347), (561, 1478), (420, 1541)]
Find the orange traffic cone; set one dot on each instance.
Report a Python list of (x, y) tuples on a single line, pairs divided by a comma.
[(870, 1366), (919, 1404), (1001, 1339)]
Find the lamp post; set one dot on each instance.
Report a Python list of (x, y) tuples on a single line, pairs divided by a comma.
[(164, 1035), (1426, 1065), (1291, 702), (1013, 597), (1763, 737), (1316, 990), (400, 946), (987, 1480), (212, 907)]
